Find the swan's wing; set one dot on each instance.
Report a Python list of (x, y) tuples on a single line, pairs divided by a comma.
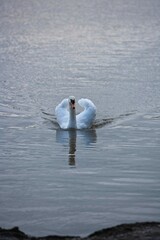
[(62, 114), (85, 119)]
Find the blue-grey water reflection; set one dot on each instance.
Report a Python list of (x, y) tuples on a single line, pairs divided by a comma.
[(69, 137), (76, 182)]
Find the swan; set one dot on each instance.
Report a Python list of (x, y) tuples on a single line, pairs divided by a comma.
[(69, 120)]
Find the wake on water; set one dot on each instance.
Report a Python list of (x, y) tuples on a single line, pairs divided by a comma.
[(51, 121)]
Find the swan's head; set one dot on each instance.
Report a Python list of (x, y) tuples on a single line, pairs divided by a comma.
[(72, 102)]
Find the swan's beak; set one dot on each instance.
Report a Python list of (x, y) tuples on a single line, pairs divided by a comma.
[(73, 105)]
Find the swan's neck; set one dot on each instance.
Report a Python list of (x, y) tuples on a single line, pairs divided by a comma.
[(72, 118)]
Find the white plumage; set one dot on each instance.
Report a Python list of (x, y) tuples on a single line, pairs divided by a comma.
[(68, 119)]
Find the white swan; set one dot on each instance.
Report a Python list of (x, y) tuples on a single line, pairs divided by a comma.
[(68, 119)]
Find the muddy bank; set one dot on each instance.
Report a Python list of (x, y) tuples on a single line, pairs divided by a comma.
[(136, 231)]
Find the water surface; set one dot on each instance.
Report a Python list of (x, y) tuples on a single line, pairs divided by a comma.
[(75, 182)]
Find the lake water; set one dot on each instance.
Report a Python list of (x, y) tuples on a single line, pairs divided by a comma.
[(76, 182)]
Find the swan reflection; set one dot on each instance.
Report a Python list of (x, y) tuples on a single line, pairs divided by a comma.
[(72, 147), (71, 137)]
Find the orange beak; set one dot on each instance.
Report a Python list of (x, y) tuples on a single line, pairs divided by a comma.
[(73, 105)]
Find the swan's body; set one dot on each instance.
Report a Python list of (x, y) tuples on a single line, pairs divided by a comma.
[(68, 119)]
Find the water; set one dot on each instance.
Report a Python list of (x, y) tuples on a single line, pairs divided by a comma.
[(76, 182)]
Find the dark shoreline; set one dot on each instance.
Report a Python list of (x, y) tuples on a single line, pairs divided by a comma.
[(135, 231)]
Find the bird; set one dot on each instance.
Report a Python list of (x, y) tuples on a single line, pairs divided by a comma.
[(66, 113)]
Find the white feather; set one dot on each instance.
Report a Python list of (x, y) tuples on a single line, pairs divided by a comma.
[(83, 120), (62, 114)]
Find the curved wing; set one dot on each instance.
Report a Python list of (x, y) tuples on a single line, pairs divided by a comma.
[(62, 113), (85, 119)]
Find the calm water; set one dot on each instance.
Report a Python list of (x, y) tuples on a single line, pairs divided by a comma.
[(76, 182)]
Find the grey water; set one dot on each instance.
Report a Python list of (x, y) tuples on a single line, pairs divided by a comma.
[(76, 182)]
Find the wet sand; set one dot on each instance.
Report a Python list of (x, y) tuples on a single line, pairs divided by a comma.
[(135, 231)]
